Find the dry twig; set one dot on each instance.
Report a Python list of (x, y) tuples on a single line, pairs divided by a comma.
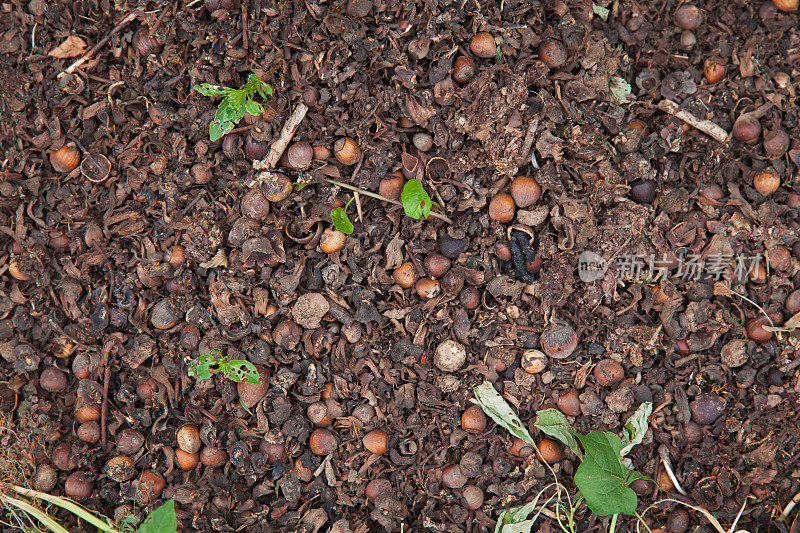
[(706, 126), (278, 147), (88, 55)]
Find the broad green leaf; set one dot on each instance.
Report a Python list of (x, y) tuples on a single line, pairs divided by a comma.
[(200, 372), (620, 89), (201, 366), (227, 127), (254, 108), (635, 428), (162, 520), (524, 526), (230, 107), (554, 423), (225, 112), (416, 202), (496, 407), (341, 220), (215, 131), (600, 11), (238, 370), (206, 89), (602, 478), (515, 520)]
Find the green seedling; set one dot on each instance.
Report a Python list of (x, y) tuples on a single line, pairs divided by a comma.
[(214, 362), (235, 104), (341, 220), (604, 475), (416, 204), (21, 503)]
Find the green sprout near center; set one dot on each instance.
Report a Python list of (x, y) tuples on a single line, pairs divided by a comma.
[(235, 104), (415, 200), (214, 362)]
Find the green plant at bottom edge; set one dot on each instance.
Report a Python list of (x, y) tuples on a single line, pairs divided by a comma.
[(19, 501), (603, 477)]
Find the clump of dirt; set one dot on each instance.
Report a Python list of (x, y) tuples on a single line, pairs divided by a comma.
[(17, 461)]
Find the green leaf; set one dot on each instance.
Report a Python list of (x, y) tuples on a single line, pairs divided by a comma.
[(201, 366), (416, 202), (227, 127), (238, 370), (264, 90), (341, 220), (496, 407), (620, 89), (253, 108), (600, 11), (215, 131), (207, 89), (636, 427), (554, 423), (253, 81), (515, 520), (236, 103), (128, 523), (162, 520), (602, 478), (231, 108)]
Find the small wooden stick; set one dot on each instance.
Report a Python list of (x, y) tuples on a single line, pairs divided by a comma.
[(88, 55), (706, 126), (277, 148), (527, 143), (358, 206), (245, 41)]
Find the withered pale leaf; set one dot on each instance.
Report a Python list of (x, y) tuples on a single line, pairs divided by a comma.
[(73, 46), (217, 261), (394, 253)]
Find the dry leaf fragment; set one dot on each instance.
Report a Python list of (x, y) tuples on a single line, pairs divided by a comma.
[(218, 260), (73, 46), (394, 252)]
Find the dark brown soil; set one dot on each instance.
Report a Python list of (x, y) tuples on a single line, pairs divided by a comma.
[(90, 278)]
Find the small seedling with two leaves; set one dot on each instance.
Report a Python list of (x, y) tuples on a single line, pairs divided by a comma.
[(214, 362), (416, 204), (604, 475), (235, 104)]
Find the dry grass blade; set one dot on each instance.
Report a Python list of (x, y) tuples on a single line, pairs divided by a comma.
[(713, 521), (34, 512), (64, 503)]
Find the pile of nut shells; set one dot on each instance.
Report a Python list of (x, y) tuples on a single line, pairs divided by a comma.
[(536, 127)]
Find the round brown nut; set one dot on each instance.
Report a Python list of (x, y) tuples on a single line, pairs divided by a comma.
[(332, 240), (482, 45), (608, 372), (525, 191), (405, 275), (501, 208)]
